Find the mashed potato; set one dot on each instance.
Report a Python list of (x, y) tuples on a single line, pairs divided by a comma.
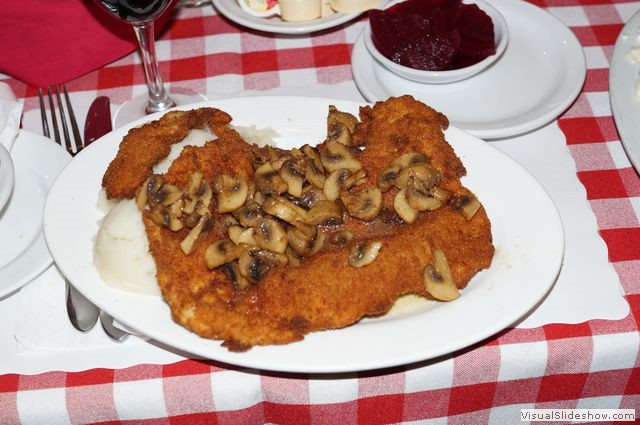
[(121, 251)]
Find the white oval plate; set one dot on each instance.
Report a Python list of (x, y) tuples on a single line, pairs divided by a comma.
[(23, 251), (232, 10), (624, 102), (526, 229), (539, 75)]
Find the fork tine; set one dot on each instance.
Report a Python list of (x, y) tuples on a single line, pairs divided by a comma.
[(63, 119), (74, 123), (43, 115), (54, 119)]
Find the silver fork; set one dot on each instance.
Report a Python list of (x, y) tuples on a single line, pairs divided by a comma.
[(83, 314)]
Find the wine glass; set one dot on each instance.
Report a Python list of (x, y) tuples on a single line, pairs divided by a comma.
[(141, 14)]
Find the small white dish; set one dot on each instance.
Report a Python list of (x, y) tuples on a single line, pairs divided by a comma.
[(232, 10), (539, 75), (6, 176), (23, 250), (625, 104), (501, 37)]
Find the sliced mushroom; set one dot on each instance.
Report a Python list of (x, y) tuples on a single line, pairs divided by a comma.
[(198, 188), (168, 217), (336, 182), (468, 205), (232, 270), (364, 254), (190, 242), (285, 210), (387, 178), (314, 156), (310, 195), (403, 209), (338, 132), (342, 237), (410, 158), (154, 185), (294, 258), (270, 235), (324, 212), (318, 242), (292, 173), (349, 120), (221, 252), (356, 179), (300, 242), (268, 180), (438, 280), (419, 197), (191, 220), (175, 212), (365, 205), (240, 235), (440, 193), (272, 258), (251, 267), (228, 221), (142, 195), (232, 192), (336, 156), (422, 172), (159, 215), (248, 214), (156, 192)]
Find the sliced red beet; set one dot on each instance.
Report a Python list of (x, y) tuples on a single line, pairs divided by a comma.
[(476, 31), (392, 32), (432, 53)]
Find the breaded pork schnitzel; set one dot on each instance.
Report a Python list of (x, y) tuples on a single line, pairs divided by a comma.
[(258, 246)]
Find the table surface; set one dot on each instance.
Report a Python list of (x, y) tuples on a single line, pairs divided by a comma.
[(593, 364)]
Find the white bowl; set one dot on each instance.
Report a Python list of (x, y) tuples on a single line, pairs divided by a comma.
[(6, 176), (501, 34)]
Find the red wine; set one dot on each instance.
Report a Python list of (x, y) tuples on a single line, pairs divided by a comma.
[(134, 11)]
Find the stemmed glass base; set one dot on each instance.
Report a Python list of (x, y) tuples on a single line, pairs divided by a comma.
[(135, 108)]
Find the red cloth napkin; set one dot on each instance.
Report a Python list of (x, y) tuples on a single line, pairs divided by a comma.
[(45, 42)]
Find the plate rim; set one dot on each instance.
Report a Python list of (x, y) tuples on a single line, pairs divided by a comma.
[(37, 252), (7, 176), (360, 53), (616, 97), (227, 8), (253, 358)]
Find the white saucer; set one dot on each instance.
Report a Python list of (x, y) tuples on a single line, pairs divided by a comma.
[(537, 78), (6, 176), (232, 10), (23, 251), (624, 102)]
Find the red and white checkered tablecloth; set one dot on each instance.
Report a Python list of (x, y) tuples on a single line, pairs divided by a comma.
[(588, 365)]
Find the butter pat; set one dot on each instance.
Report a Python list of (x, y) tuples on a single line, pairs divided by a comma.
[(300, 10), (353, 6)]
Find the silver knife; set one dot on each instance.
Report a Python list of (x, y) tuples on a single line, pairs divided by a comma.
[(82, 313), (96, 125)]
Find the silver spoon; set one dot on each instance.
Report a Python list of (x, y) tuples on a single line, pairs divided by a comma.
[(114, 333), (83, 314)]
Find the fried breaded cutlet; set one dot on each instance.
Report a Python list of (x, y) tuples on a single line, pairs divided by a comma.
[(357, 264)]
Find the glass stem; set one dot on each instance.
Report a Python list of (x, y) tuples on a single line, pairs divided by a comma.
[(159, 100)]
